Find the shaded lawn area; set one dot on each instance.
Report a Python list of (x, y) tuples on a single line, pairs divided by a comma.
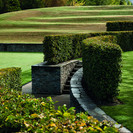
[(124, 113), (21, 59)]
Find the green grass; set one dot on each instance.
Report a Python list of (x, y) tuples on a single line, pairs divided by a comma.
[(32, 25), (21, 59), (124, 113)]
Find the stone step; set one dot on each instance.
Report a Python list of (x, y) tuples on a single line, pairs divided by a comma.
[(66, 91), (71, 74), (67, 82), (69, 77), (75, 69), (79, 65), (67, 87)]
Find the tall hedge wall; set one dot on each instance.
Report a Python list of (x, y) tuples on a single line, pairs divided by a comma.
[(102, 67), (10, 78), (60, 48), (119, 26)]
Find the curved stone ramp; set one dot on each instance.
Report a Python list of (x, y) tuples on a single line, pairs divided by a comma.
[(82, 103)]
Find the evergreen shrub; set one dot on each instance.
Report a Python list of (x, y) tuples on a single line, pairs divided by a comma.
[(10, 78), (125, 40), (119, 26), (60, 48), (102, 67), (26, 114)]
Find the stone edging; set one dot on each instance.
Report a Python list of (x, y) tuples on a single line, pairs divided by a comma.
[(21, 47), (80, 100)]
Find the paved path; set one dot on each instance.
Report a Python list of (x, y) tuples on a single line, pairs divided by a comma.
[(62, 99)]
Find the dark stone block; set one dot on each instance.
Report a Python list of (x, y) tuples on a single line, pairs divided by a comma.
[(50, 79)]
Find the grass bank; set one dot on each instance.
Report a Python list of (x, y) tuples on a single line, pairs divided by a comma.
[(21, 59), (32, 25)]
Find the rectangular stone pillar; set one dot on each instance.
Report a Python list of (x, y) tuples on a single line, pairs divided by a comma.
[(50, 79)]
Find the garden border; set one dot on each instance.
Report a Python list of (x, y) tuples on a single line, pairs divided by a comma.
[(82, 103)]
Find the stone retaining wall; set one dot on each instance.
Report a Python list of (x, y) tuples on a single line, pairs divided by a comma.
[(82, 103), (20, 47), (50, 79)]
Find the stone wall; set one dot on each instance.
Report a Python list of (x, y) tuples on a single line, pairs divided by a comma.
[(20, 47), (50, 79)]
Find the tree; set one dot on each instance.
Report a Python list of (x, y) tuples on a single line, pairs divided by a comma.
[(11, 5), (1, 6), (102, 2), (125, 2), (30, 4), (52, 3)]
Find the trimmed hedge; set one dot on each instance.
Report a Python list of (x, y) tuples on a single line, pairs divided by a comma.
[(10, 78), (102, 67), (119, 26), (60, 48), (24, 113), (125, 40)]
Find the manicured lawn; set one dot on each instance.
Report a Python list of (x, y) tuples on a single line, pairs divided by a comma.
[(21, 59), (32, 25), (124, 113)]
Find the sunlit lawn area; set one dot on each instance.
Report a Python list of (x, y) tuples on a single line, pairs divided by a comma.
[(124, 113), (33, 24), (21, 59)]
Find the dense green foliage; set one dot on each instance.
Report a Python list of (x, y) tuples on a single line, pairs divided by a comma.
[(63, 47), (124, 39), (1, 5), (60, 48), (107, 2), (29, 4), (10, 5), (10, 78), (119, 26), (102, 67), (24, 113)]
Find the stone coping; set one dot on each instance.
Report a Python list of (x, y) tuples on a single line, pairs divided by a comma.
[(44, 64), (80, 100)]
